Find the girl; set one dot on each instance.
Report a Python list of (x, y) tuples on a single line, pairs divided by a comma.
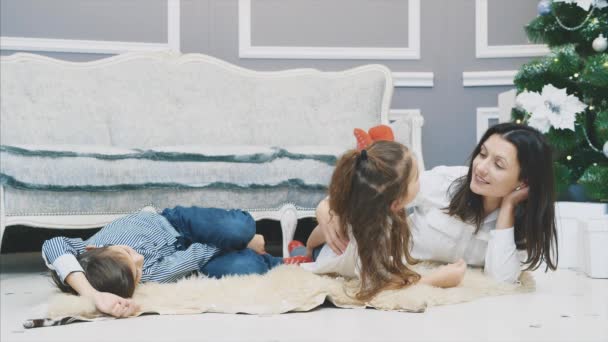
[(147, 246), (368, 192), (497, 213)]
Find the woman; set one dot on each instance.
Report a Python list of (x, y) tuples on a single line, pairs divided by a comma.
[(497, 213)]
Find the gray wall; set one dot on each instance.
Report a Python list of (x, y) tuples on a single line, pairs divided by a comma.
[(211, 27)]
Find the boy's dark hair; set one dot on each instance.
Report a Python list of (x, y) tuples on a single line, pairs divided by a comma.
[(105, 272)]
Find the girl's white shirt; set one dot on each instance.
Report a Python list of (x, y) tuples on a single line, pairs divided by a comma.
[(441, 237), (347, 264)]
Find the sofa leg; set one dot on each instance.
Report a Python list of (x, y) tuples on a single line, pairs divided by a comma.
[(2, 216), (2, 227), (289, 222)]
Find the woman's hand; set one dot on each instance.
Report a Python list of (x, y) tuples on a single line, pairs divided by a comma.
[(114, 305), (515, 197), (506, 216), (330, 227)]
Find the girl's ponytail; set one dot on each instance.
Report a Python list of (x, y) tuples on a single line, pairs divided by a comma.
[(340, 188)]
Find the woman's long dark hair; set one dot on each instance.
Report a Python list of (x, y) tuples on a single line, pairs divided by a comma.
[(104, 271), (535, 217), (363, 187)]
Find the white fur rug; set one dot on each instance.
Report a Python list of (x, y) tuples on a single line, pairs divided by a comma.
[(284, 289)]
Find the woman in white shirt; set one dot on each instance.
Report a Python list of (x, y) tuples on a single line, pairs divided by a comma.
[(497, 213)]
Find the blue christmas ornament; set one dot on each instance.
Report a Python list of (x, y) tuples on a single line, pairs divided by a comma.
[(544, 7)]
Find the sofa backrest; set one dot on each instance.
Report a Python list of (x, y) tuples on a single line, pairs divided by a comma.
[(162, 99)]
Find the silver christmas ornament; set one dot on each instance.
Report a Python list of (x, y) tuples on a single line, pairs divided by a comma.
[(600, 43), (544, 7)]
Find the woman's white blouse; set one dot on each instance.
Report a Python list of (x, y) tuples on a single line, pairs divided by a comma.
[(440, 237)]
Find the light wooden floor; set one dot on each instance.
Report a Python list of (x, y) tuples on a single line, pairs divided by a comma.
[(566, 307)]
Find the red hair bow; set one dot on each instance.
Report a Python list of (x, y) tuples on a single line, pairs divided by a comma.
[(376, 133)]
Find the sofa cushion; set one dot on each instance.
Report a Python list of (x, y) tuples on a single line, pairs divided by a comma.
[(159, 99), (50, 105), (21, 202), (200, 103), (98, 168)]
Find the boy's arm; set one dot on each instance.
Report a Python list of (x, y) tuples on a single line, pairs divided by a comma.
[(59, 254), (105, 302), (180, 263)]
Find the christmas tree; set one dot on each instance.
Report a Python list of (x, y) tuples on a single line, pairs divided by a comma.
[(565, 94)]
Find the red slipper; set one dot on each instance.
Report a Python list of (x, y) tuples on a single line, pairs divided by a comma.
[(293, 245), (296, 260)]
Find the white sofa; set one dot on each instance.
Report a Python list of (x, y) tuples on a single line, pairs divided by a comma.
[(83, 143)]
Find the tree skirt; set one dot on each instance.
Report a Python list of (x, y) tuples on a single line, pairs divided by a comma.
[(286, 288)]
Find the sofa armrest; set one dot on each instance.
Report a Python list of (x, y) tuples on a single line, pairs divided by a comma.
[(407, 125)]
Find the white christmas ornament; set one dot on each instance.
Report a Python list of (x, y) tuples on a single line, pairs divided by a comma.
[(551, 108), (600, 43), (586, 4), (544, 7), (606, 149)]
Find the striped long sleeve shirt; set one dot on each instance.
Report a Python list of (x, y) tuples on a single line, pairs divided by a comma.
[(150, 234)]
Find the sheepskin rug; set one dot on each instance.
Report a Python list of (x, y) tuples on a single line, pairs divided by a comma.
[(284, 289)]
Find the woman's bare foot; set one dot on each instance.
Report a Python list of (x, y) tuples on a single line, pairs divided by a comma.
[(449, 275), (258, 244)]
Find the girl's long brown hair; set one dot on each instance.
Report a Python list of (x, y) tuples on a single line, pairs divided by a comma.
[(362, 189)]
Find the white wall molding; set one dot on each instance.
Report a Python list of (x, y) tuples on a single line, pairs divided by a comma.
[(174, 27), (415, 120), (100, 46), (484, 115), (488, 78), (483, 50), (76, 46), (247, 50), (413, 79), (394, 114)]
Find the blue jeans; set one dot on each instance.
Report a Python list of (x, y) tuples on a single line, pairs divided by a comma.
[(245, 261), (229, 230), (298, 251)]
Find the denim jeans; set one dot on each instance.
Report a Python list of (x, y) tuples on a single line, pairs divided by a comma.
[(230, 230), (245, 261), (298, 251)]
